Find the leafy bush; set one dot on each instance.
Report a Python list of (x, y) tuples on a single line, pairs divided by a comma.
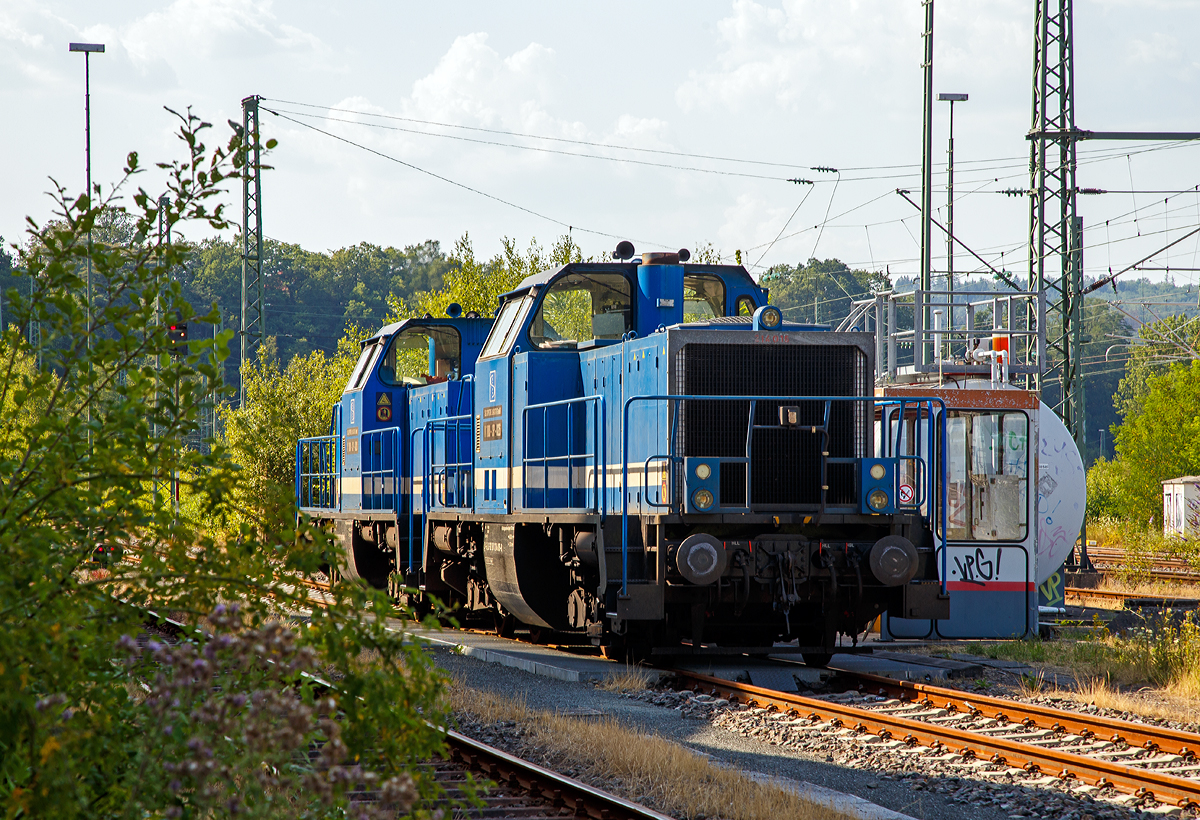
[(85, 433), (1105, 495), (283, 404)]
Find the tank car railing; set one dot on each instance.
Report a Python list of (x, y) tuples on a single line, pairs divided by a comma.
[(941, 342), (450, 482), (316, 473), (927, 409), (566, 458), (380, 454)]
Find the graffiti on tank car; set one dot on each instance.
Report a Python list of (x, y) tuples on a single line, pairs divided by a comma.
[(978, 567), (1053, 590)]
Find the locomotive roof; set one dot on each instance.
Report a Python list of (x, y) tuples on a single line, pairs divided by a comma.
[(629, 268), (426, 321)]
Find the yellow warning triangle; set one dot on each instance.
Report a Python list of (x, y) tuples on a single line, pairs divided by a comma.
[(384, 400)]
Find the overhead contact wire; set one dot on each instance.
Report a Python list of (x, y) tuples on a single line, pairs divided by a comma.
[(455, 183), (542, 150)]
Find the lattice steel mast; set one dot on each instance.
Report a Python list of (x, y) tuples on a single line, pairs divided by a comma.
[(253, 319), (1055, 231)]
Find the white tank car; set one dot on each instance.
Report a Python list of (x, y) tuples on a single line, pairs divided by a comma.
[(1061, 493)]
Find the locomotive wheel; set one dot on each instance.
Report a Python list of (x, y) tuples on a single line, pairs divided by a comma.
[(634, 648), (817, 660), (505, 625)]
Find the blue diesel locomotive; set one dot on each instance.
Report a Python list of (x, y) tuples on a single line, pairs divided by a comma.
[(645, 456)]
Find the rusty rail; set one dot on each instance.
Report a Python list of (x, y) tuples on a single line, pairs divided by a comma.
[(558, 789), (1145, 736), (1162, 787)]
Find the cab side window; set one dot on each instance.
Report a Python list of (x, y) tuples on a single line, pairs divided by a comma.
[(422, 355), (703, 297), (745, 306), (987, 471), (581, 307)]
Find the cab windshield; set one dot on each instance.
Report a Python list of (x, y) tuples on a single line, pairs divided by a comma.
[(422, 355), (365, 361), (582, 307), (506, 327)]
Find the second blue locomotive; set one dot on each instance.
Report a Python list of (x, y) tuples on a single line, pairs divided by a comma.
[(640, 455)]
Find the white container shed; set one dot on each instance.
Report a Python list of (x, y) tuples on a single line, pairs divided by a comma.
[(1181, 506)]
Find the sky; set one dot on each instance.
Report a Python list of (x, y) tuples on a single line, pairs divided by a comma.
[(671, 124)]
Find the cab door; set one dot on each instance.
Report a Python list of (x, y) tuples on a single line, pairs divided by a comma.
[(493, 423)]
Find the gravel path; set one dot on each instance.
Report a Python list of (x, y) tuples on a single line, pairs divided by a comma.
[(912, 784)]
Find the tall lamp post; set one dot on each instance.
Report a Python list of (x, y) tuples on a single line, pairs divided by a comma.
[(88, 49), (952, 99)]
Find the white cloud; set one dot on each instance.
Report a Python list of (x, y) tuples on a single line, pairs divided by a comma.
[(473, 84), (806, 54), (203, 29), (785, 55), (12, 31), (1159, 48)]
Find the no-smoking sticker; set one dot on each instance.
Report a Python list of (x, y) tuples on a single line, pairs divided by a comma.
[(906, 494)]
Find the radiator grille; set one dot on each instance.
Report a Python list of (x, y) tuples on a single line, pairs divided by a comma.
[(785, 462)]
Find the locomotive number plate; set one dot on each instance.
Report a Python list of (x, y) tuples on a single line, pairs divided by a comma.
[(492, 424)]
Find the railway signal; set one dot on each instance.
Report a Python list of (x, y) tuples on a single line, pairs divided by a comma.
[(177, 335)]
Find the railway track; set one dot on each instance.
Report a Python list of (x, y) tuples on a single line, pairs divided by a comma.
[(539, 792), (1158, 567), (1131, 598), (1139, 760)]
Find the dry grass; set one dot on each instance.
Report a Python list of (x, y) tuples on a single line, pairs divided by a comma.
[(1165, 704), (673, 778), (626, 679), (1147, 588)]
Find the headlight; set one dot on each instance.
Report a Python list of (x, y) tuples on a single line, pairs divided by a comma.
[(703, 471), (878, 500), (770, 316), (702, 499), (878, 471)]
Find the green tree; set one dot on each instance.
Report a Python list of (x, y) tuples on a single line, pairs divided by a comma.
[(1157, 346), (284, 403), (1159, 439), (1101, 369), (477, 286), (819, 291), (311, 296), (91, 726)]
